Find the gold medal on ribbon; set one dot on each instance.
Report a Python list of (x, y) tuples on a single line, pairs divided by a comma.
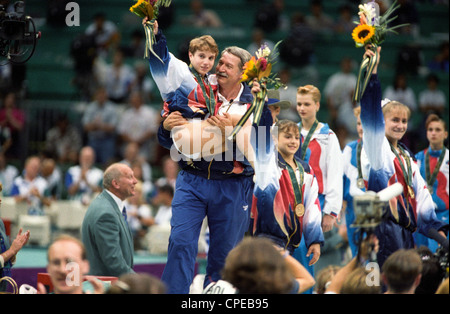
[(300, 210), (410, 191), (430, 188), (360, 183)]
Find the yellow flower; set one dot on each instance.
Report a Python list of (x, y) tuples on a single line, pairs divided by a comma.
[(142, 9), (250, 70), (363, 33)]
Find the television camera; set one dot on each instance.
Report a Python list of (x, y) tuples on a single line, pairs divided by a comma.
[(18, 35), (369, 209)]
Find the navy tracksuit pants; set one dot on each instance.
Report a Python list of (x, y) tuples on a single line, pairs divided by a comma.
[(227, 204)]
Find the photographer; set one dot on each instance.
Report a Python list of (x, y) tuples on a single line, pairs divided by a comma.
[(387, 161), (352, 278)]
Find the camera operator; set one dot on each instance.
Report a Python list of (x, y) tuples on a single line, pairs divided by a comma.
[(352, 278), (387, 161)]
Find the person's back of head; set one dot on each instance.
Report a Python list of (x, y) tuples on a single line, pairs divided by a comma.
[(402, 271), (358, 282), (324, 277), (255, 266), (432, 273)]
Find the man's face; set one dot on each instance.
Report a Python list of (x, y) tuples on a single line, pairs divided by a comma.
[(66, 267), (228, 70), (126, 183)]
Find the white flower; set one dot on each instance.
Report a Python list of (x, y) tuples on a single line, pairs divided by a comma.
[(263, 52), (369, 12)]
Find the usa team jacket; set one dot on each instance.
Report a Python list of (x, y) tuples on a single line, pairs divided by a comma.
[(381, 168), (440, 187), (181, 92), (273, 212), (178, 87), (324, 156)]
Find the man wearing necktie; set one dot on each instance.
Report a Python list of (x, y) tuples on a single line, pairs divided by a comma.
[(105, 231)]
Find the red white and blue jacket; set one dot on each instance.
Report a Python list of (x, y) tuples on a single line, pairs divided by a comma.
[(381, 168), (273, 212), (440, 187), (324, 156)]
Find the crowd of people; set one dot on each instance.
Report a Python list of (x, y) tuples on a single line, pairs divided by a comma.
[(289, 204)]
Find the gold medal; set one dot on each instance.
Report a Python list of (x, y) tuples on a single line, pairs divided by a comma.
[(430, 188), (300, 210), (360, 183), (410, 191)]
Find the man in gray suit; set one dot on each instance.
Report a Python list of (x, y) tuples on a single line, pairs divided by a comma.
[(105, 232)]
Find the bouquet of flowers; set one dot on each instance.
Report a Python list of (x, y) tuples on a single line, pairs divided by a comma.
[(371, 30), (149, 9), (259, 67)]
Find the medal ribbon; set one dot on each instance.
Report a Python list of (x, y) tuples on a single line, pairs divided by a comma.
[(308, 138), (406, 174), (358, 159), (432, 178), (256, 107), (295, 184), (210, 101)]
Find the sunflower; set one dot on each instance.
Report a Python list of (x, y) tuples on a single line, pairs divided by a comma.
[(143, 8), (362, 34)]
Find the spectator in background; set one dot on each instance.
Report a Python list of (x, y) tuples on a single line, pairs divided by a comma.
[(84, 54), (136, 47), (99, 123), (142, 82), (138, 124), (138, 210), (105, 32), (118, 78), (344, 23), (338, 92), (401, 92), (289, 94), (298, 48), (53, 175), (440, 61), (270, 17), (258, 39), (163, 200), (131, 156), (5, 139), (8, 173), (31, 188), (170, 169), (201, 17), (12, 118), (63, 140), (148, 188), (407, 14), (5, 78), (83, 181), (432, 99), (317, 20)]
